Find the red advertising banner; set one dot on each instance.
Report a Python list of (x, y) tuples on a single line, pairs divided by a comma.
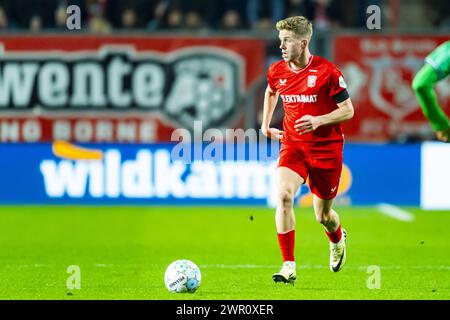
[(126, 88), (379, 71)]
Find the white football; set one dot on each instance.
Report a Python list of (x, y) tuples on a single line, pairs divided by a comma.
[(182, 276)]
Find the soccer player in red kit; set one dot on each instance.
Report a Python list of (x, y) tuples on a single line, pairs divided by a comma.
[(315, 101)]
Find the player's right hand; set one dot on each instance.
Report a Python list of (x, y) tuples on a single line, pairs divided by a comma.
[(443, 135), (273, 133)]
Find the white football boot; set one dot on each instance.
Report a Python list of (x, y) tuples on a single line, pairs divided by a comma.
[(338, 253), (287, 273)]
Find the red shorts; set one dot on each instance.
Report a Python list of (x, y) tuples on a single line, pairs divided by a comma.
[(322, 165)]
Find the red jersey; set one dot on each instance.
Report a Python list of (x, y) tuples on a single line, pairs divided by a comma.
[(308, 91)]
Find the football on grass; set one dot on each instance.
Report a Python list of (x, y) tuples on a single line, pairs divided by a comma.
[(182, 276)]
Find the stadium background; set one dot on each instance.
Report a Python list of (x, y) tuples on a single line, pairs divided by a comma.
[(137, 70)]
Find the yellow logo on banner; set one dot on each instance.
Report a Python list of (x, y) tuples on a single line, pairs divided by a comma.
[(66, 150), (344, 185)]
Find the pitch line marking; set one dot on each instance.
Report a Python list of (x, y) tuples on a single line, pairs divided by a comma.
[(395, 212), (254, 266), (244, 266)]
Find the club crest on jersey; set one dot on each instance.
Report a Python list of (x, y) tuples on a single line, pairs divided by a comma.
[(282, 82), (312, 81)]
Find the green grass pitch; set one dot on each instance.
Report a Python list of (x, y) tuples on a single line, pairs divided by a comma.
[(122, 253)]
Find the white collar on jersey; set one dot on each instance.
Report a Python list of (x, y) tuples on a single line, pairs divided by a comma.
[(302, 69)]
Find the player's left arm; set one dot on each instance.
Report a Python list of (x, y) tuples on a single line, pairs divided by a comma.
[(338, 92), (308, 123)]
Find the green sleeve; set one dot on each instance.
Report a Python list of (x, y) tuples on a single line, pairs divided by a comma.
[(439, 59), (423, 84)]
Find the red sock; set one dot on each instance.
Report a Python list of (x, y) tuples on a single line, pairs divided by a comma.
[(336, 236), (287, 242)]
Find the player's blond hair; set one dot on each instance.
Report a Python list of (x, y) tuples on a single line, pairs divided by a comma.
[(301, 26)]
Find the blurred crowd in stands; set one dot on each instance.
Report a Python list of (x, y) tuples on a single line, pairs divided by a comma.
[(103, 16)]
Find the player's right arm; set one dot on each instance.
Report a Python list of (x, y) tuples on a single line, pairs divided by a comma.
[(436, 68), (270, 102), (423, 85)]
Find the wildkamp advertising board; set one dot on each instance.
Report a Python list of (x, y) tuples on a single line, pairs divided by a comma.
[(151, 175)]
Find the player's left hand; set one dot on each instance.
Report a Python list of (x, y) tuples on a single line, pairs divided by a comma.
[(306, 124)]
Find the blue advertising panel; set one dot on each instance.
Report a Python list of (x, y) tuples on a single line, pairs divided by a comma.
[(384, 173), (150, 175)]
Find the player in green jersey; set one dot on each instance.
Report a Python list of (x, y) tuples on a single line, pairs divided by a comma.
[(436, 68)]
